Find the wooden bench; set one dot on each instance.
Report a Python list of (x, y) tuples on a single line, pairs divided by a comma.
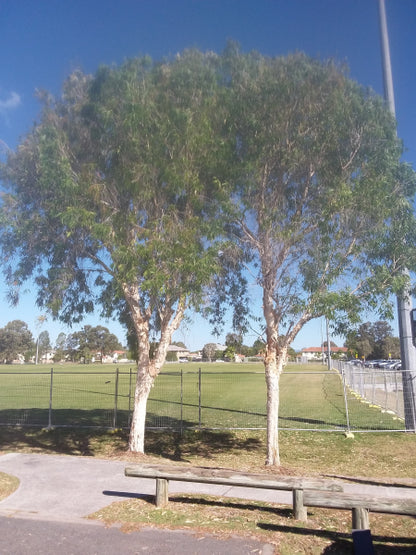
[(306, 492), (359, 504), (164, 473)]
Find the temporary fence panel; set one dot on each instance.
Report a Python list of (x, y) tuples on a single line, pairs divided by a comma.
[(376, 395)]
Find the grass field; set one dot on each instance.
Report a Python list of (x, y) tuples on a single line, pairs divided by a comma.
[(308, 399), (222, 396)]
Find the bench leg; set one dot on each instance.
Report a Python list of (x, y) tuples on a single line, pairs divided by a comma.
[(360, 519), (162, 492), (299, 510)]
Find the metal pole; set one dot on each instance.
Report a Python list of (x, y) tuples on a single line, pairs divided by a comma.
[(50, 401), (328, 342), (385, 50), (199, 399), (115, 401), (181, 402), (347, 412), (404, 302)]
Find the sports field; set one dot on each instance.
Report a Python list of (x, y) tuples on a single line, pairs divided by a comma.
[(217, 395)]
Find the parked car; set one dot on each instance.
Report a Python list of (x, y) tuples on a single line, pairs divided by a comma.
[(372, 363), (394, 365)]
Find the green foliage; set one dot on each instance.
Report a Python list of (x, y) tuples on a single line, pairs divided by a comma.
[(179, 344), (112, 195), (43, 344), (93, 342), (229, 353), (209, 352), (325, 204), (373, 341), (233, 340), (171, 356), (15, 340)]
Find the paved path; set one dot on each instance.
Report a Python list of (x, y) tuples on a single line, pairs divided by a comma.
[(41, 537), (66, 488), (56, 493), (46, 514)]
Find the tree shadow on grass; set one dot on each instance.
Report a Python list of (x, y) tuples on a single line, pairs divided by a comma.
[(89, 432), (202, 443), (54, 441)]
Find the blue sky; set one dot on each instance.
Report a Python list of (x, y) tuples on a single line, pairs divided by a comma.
[(42, 41)]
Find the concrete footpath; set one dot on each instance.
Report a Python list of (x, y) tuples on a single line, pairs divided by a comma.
[(47, 513)]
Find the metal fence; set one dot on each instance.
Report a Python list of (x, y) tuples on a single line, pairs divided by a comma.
[(321, 401), (380, 389)]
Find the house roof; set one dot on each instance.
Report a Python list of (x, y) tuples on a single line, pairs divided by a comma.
[(320, 349)]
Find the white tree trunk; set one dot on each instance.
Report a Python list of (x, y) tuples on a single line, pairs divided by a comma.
[(273, 370), (148, 369), (144, 385)]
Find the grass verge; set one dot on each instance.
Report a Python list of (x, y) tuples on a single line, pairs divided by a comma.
[(382, 455), (8, 484)]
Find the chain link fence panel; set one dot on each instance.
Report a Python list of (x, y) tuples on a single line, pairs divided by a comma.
[(381, 390), (338, 400)]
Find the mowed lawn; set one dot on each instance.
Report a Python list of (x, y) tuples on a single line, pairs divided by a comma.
[(222, 395)]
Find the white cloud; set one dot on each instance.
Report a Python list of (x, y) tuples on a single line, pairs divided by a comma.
[(13, 101)]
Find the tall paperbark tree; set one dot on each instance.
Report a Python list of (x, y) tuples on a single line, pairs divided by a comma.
[(128, 182), (324, 202), (112, 201)]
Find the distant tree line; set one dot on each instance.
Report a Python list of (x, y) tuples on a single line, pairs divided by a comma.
[(373, 341), (18, 344), (235, 346)]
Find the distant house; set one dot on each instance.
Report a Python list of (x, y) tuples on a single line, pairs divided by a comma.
[(47, 358), (318, 353), (20, 359), (114, 356), (178, 352)]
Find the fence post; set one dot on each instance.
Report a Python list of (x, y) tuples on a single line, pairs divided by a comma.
[(115, 401), (199, 398), (347, 415), (373, 399), (396, 390), (129, 396), (181, 402), (50, 401)]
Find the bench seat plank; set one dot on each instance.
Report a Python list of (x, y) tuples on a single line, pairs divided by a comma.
[(229, 477), (334, 500)]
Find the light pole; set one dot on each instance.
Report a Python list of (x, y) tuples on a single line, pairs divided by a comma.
[(328, 344), (404, 301)]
